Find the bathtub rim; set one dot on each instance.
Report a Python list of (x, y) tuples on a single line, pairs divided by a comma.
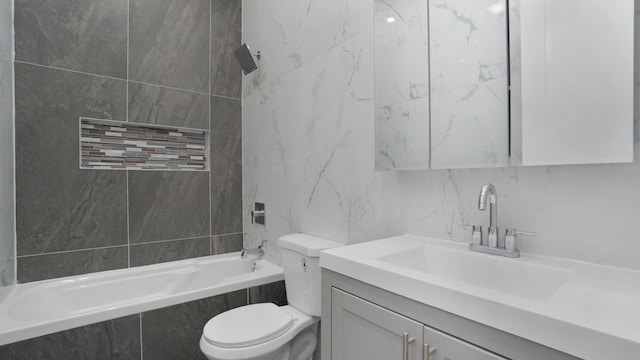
[(22, 330)]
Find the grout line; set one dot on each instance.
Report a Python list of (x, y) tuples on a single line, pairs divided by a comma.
[(430, 159), (210, 41), (127, 61), (128, 224), (117, 246), (13, 145), (210, 213), (72, 251), (121, 79), (141, 340), (228, 234), (68, 70), (509, 79), (168, 87), (242, 142), (210, 133), (170, 240), (210, 177), (226, 97)]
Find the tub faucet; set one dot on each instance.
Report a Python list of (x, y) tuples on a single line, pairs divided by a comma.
[(488, 194), (257, 252)]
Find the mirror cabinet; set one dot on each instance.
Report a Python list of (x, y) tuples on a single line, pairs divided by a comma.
[(495, 83)]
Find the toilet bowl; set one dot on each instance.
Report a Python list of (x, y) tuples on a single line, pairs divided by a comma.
[(260, 331), (266, 331)]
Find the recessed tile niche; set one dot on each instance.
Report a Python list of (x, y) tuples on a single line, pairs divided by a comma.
[(108, 144)]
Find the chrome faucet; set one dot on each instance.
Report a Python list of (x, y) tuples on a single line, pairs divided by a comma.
[(510, 247), (257, 252), (488, 193)]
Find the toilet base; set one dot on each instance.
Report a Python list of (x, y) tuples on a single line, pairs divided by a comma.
[(300, 348), (304, 344)]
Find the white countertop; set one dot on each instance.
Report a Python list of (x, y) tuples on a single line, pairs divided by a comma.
[(586, 310)]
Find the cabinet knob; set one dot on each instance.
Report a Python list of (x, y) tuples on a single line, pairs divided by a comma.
[(427, 351)]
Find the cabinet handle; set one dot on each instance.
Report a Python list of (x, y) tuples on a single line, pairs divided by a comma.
[(405, 346), (406, 340), (427, 351)]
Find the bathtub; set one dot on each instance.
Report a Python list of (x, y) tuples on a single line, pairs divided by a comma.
[(44, 307)]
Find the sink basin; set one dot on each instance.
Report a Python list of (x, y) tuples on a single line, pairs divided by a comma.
[(481, 271)]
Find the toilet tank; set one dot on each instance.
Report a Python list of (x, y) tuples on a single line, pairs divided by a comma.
[(299, 257)]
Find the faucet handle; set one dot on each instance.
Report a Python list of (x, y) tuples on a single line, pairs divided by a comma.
[(476, 238), (514, 232), (510, 240), (492, 235)]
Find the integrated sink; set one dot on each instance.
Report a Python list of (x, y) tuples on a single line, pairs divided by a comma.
[(588, 310), (476, 271)]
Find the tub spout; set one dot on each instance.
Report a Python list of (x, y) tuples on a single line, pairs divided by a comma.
[(257, 252)]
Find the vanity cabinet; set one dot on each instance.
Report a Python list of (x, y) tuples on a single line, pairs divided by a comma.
[(363, 330), (444, 347), (363, 322)]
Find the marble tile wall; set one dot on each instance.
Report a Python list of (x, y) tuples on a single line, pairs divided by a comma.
[(142, 61), (164, 334), (7, 203), (308, 153)]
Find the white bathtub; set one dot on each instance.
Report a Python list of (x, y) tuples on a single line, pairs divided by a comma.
[(44, 307)]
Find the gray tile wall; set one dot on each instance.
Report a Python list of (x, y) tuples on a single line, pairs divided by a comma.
[(165, 334), (174, 332), (164, 62), (6, 30), (169, 43), (82, 35), (109, 340), (7, 205)]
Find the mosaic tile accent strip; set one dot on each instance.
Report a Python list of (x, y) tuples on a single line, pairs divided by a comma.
[(106, 144)]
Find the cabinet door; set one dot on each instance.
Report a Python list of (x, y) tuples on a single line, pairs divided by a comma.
[(468, 63), (445, 347), (577, 81), (361, 330)]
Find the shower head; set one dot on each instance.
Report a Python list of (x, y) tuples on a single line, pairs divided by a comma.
[(245, 58)]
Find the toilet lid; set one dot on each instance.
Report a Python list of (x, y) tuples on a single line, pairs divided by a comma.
[(247, 325)]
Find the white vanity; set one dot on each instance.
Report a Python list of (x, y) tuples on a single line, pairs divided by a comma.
[(412, 297)]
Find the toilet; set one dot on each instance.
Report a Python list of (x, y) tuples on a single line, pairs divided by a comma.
[(269, 332)]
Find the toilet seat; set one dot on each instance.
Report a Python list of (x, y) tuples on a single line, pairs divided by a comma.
[(299, 322), (247, 326)]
